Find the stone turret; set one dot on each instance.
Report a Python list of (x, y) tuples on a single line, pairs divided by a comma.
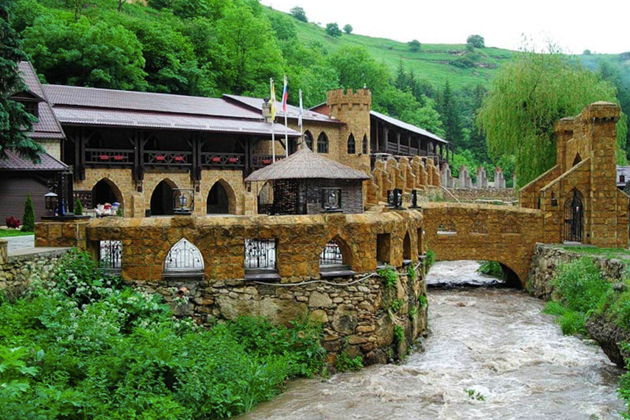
[(353, 109)]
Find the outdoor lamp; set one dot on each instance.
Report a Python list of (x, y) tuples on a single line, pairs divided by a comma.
[(183, 201), (50, 201)]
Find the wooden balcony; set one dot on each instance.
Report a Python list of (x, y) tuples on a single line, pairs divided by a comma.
[(109, 157), (159, 158), (223, 160)]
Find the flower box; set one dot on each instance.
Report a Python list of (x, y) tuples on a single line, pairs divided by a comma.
[(119, 157), (215, 159), (266, 161), (179, 159), (232, 160), (160, 158), (103, 157)]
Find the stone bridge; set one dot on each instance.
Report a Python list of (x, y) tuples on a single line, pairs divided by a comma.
[(504, 234)]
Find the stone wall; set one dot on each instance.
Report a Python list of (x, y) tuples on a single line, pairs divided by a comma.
[(18, 271), (508, 195), (356, 312)]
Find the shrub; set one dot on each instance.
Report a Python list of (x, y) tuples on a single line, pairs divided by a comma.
[(396, 305), (299, 13), (491, 268), (476, 41), (580, 285), (389, 276), (414, 45), (333, 30), (29, 216), (624, 384), (413, 313), (12, 222), (399, 334), (411, 273), (346, 363), (429, 258), (423, 301), (78, 207)]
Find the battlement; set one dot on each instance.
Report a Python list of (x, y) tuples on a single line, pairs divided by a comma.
[(349, 97), (601, 112)]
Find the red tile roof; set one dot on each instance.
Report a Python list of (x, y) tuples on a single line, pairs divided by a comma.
[(15, 162)]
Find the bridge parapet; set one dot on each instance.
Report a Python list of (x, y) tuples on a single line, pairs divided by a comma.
[(484, 232)]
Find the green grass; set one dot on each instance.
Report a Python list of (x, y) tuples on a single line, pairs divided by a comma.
[(611, 253), (7, 233)]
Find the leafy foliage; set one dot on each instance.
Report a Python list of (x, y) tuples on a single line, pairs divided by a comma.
[(347, 363), (414, 45), (399, 334), (476, 41), (348, 29), (491, 268), (78, 207), (525, 100), (15, 121), (333, 30), (429, 258), (411, 273), (396, 305), (389, 276), (423, 302), (299, 13), (85, 346), (28, 224)]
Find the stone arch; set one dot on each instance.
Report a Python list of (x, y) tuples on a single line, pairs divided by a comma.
[(308, 139), (577, 159), (407, 247), (351, 145), (265, 198), (365, 149), (322, 143), (183, 259), (221, 198), (336, 252), (106, 191), (161, 203)]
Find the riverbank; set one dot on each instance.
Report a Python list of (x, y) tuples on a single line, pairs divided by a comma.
[(491, 353)]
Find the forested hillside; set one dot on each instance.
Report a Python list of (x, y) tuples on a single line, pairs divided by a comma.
[(210, 47)]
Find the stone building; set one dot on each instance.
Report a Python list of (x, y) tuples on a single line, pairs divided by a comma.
[(141, 149), (579, 195)]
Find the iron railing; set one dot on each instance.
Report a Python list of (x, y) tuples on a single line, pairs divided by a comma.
[(110, 255), (118, 157), (260, 254), (183, 257), (331, 255)]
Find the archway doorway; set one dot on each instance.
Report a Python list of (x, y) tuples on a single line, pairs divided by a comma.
[(218, 200), (104, 191), (162, 199), (574, 217)]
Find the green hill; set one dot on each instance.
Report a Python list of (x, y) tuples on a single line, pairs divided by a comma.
[(433, 62)]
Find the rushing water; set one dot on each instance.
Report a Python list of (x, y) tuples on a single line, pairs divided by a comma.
[(493, 343)]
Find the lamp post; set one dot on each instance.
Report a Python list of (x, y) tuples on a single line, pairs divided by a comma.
[(183, 201), (50, 201)]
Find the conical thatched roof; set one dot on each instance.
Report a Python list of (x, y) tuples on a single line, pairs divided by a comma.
[(305, 164)]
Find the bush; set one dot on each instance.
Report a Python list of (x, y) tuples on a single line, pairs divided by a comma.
[(346, 363), (29, 216), (86, 346), (423, 302), (580, 285), (389, 276), (430, 259), (333, 30), (414, 45), (396, 305), (571, 322), (476, 41), (399, 334), (299, 13), (411, 273), (12, 222), (78, 207), (491, 268)]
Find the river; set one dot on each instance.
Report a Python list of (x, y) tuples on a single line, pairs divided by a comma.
[(491, 354)]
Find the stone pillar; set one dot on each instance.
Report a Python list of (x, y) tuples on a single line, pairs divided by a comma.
[(482, 179), (464, 178), (499, 180)]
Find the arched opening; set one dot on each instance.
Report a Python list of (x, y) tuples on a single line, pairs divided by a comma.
[(577, 159), (366, 145), (352, 146), (162, 199), (183, 260), (574, 217), (322, 143), (335, 259), (218, 200), (265, 199), (407, 248), (308, 138), (383, 248), (105, 191)]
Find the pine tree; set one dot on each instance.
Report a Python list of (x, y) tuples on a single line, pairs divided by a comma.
[(78, 207), (448, 108), (28, 221), (15, 122)]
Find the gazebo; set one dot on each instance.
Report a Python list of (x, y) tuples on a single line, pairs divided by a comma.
[(308, 183)]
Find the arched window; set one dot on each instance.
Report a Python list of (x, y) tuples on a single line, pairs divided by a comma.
[(407, 247), (308, 138), (322, 143), (162, 199), (105, 191), (366, 145), (352, 147), (574, 217), (183, 258), (577, 159)]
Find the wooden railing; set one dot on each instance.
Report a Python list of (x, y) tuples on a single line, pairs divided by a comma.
[(109, 157), (260, 161), (223, 160), (164, 158)]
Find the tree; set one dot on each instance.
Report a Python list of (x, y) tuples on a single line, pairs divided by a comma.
[(357, 69), (476, 41), (333, 30), (449, 110), (15, 122), (526, 98), (348, 29), (28, 221), (78, 207), (299, 13), (414, 45)]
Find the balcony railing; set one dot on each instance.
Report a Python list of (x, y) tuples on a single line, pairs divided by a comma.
[(119, 157), (223, 160), (170, 158), (260, 161)]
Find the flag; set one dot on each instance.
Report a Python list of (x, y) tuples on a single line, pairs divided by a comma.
[(272, 100), (301, 111), (285, 95)]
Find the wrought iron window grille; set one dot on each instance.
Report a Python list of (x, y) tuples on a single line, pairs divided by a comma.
[(260, 254), (110, 255), (184, 257)]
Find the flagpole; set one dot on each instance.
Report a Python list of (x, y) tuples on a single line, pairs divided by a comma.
[(301, 121), (286, 123), (273, 134)]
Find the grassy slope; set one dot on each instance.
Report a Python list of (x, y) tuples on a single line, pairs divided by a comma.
[(432, 61)]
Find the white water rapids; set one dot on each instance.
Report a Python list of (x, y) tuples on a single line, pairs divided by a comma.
[(491, 354)]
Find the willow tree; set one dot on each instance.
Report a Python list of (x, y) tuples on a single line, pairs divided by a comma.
[(527, 97)]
